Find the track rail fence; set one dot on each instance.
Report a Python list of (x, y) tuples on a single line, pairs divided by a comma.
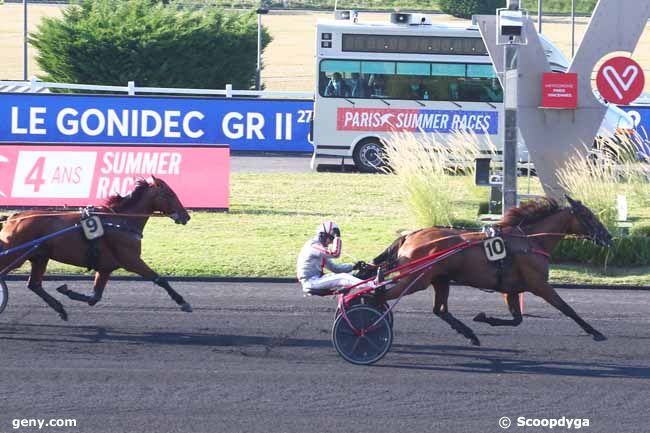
[(36, 86)]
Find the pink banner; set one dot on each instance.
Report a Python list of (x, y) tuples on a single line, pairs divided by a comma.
[(87, 175)]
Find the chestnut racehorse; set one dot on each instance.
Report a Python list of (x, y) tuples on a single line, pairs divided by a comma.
[(530, 233), (123, 219)]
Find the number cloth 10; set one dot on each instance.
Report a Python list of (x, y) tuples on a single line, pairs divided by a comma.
[(495, 249)]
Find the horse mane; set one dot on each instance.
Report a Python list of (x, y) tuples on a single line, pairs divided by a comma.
[(530, 212), (116, 201)]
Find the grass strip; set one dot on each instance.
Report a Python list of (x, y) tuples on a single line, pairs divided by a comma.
[(272, 215)]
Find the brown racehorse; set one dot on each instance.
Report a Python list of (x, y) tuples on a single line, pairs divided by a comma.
[(123, 219), (530, 232)]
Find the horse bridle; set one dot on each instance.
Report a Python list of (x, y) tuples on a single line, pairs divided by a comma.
[(166, 195), (594, 232)]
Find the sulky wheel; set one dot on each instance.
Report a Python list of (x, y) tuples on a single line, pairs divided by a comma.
[(4, 294), (365, 301), (383, 307), (368, 345)]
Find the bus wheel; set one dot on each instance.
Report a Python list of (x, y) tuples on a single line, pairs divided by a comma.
[(368, 155)]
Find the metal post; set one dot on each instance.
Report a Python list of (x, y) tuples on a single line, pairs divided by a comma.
[(25, 58), (573, 27), (539, 16), (258, 71), (510, 142)]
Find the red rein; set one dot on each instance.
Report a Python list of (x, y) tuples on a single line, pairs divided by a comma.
[(132, 215)]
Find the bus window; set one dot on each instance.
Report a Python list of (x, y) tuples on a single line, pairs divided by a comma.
[(445, 76), (340, 66), (358, 86), (448, 69), (412, 77), (409, 80), (378, 68), (481, 90), (404, 68), (481, 71), (337, 86), (336, 78), (482, 84), (377, 86)]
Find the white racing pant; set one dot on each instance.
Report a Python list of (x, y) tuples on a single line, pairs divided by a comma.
[(333, 281)]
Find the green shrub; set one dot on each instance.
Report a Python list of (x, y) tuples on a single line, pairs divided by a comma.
[(552, 6), (641, 230), (149, 42), (640, 181), (628, 251), (467, 8), (596, 180), (563, 6), (424, 167)]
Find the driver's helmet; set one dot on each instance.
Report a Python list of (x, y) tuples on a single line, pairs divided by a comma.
[(328, 230)]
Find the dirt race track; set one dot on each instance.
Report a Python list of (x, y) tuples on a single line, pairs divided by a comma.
[(258, 358)]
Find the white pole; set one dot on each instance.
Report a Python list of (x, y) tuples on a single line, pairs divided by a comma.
[(573, 27), (259, 52), (539, 16), (25, 59), (510, 121)]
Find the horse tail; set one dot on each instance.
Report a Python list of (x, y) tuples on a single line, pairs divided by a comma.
[(388, 258), (3, 218)]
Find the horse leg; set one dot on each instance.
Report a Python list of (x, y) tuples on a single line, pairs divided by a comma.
[(101, 278), (515, 310), (549, 294), (440, 309), (139, 267), (35, 284)]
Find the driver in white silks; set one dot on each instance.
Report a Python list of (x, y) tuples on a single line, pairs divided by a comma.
[(317, 255)]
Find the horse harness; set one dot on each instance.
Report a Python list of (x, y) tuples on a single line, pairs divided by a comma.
[(93, 226), (502, 259)]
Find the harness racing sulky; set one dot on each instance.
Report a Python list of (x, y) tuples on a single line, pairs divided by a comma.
[(510, 257), (102, 239)]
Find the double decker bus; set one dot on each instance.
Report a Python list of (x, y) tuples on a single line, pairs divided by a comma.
[(374, 79)]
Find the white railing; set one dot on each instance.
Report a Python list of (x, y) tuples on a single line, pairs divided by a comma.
[(131, 89)]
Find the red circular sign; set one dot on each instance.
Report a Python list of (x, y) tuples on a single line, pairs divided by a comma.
[(620, 80)]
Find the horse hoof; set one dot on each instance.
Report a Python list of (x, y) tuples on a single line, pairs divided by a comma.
[(600, 337), (480, 317), (63, 289), (186, 307), (92, 302), (475, 341), (64, 316)]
